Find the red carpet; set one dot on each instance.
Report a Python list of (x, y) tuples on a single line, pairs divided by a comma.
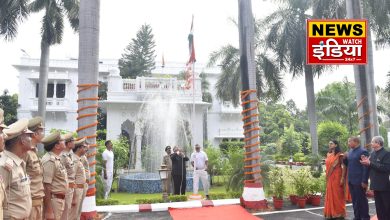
[(228, 212)]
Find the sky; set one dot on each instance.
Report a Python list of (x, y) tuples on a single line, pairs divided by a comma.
[(170, 20)]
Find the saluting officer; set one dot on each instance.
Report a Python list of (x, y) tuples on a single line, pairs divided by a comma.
[(55, 178), (12, 170), (67, 161), (2, 135), (79, 150), (34, 169)]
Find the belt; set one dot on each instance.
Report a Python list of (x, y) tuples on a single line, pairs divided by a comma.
[(37, 202), (72, 185), (80, 186), (59, 196)]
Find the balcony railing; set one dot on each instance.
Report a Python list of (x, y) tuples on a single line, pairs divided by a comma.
[(156, 84), (231, 132), (53, 104)]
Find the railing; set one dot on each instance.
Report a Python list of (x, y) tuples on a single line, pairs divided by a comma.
[(231, 132), (144, 84), (129, 84), (53, 103)]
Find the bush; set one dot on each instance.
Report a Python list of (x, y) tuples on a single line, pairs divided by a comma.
[(228, 145), (299, 157), (329, 130), (149, 201), (177, 198), (235, 195), (100, 202), (218, 196), (99, 187)]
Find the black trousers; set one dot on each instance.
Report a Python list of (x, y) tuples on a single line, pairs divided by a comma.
[(359, 202), (382, 204), (179, 184)]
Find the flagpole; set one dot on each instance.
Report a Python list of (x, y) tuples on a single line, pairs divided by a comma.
[(193, 104)]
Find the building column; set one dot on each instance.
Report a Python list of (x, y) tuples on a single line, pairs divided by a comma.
[(55, 90)]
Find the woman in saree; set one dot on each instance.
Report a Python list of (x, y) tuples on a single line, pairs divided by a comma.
[(335, 181)]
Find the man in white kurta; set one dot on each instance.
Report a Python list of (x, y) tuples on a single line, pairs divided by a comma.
[(199, 161), (108, 168)]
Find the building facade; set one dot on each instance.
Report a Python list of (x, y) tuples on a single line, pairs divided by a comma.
[(126, 101)]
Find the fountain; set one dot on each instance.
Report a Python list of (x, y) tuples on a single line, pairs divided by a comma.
[(160, 121)]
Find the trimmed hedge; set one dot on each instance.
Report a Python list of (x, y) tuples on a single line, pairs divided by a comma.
[(100, 202), (149, 201), (218, 196), (177, 198)]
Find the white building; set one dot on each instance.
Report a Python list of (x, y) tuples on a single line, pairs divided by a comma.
[(125, 98)]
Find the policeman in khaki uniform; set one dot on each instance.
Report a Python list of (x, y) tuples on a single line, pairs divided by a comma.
[(67, 161), (34, 169), (2, 136), (81, 181), (12, 170), (85, 162), (55, 178)]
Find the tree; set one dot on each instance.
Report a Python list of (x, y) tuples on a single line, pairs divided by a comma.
[(11, 14), (286, 37), (337, 102), (384, 105), (268, 77), (273, 119), (206, 95), (51, 34), (329, 130), (387, 89), (9, 103), (290, 141), (139, 56), (88, 68)]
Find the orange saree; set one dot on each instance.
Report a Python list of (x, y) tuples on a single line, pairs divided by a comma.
[(334, 197)]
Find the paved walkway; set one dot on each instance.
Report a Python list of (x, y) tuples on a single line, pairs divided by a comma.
[(288, 212)]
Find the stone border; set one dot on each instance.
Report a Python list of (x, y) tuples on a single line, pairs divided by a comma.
[(165, 206)]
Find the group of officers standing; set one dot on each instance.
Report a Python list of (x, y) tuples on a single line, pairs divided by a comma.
[(53, 187)]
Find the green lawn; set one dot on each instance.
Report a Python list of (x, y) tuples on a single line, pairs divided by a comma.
[(128, 198)]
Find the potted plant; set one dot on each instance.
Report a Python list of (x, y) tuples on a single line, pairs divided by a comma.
[(315, 192), (301, 180), (277, 187), (290, 190)]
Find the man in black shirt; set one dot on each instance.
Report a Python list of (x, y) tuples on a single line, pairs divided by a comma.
[(379, 166), (179, 171)]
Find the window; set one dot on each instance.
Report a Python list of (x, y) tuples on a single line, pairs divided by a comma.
[(60, 93), (60, 90)]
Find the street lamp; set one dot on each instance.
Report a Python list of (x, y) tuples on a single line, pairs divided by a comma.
[(163, 172)]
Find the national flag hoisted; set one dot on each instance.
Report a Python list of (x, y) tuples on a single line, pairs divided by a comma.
[(192, 60)]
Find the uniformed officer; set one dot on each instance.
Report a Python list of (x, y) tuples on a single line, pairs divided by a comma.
[(79, 150), (12, 170), (2, 135), (55, 178), (34, 169), (85, 162), (67, 161)]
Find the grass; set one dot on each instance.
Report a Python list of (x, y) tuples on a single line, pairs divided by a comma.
[(129, 198)]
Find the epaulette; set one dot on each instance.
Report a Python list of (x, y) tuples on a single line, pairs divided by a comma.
[(9, 164), (53, 158)]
